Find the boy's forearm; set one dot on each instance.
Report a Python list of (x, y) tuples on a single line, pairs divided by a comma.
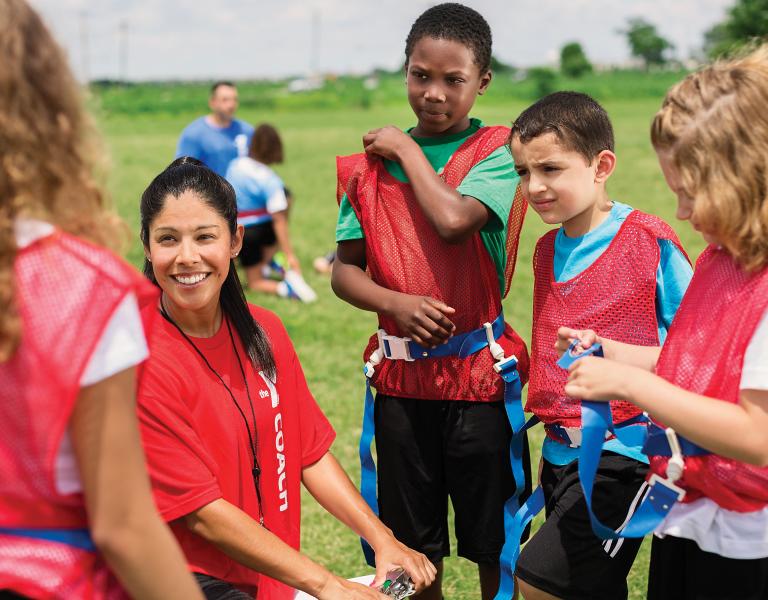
[(454, 217), (352, 284)]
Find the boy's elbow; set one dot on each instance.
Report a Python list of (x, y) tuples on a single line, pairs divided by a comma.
[(455, 230), (337, 284)]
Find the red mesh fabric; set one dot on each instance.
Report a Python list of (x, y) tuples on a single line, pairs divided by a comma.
[(345, 167), (52, 571), (704, 353), (514, 225), (615, 296), (406, 254), (66, 291)]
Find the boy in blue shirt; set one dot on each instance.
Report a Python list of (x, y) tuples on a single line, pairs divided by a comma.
[(610, 268)]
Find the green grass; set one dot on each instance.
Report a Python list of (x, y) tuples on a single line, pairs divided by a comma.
[(329, 334), (172, 98)]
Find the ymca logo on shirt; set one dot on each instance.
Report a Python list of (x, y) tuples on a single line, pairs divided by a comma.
[(282, 489)]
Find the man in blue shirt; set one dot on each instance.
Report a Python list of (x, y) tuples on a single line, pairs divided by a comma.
[(217, 138)]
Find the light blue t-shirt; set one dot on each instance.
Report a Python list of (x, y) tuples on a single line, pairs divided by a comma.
[(215, 146), (260, 191), (574, 255)]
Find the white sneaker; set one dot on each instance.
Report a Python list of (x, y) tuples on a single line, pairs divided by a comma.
[(299, 287)]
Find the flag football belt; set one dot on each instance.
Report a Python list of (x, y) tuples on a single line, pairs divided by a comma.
[(596, 427), (461, 345), (79, 538), (662, 492)]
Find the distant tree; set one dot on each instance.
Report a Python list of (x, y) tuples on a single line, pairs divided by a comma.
[(499, 67), (746, 20), (645, 42), (573, 61), (544, 81)]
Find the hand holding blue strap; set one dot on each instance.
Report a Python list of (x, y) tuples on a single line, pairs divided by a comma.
[(596, 421), (569, 356)]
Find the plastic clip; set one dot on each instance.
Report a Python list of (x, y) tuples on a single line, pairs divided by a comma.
[(676, 462), (375, 358)]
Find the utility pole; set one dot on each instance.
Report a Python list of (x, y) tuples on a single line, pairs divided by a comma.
[(123, 51)]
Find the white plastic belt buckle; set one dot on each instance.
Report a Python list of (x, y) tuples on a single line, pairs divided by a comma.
[(574, 436), (499, 365), (398, 347)]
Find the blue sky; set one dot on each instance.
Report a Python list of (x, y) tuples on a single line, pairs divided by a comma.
[(267, 38)]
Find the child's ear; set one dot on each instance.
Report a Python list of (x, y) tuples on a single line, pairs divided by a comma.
[(485, 81), (605, 163)]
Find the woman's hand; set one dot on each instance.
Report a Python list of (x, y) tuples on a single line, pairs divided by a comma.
[(337, 588), (592, 378), (566, 336), (392, 554)]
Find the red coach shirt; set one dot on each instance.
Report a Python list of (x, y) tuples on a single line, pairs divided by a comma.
[(197, 444)]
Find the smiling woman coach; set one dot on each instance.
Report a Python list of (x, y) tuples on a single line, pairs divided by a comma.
[(229, 426)]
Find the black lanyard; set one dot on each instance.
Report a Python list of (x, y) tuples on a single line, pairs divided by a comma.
[(253, 440)]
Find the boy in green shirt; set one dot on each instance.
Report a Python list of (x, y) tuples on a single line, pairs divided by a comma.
[(430, 215)]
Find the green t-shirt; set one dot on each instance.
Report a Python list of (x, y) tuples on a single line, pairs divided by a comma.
[(492, 181)]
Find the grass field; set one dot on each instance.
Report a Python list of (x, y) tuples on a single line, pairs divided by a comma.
[(329, 334)]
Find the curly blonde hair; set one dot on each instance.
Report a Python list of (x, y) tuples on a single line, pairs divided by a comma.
[(48, 151), (714, 124)]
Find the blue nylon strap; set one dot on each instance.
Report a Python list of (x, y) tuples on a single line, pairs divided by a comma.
[(595, 421), (462, 345), (368, 467), (657, 444), (511, 550), (79, 538), (514, 516)]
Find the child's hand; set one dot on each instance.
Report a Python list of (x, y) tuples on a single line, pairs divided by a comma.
[(423, 319), (566, 335), (387, 142), (592, 378)]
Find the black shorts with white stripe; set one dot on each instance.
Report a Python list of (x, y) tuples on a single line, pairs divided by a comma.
[(564, 557)]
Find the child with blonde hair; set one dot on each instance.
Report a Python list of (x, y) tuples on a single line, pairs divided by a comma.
[(709, 382), (77, 518)]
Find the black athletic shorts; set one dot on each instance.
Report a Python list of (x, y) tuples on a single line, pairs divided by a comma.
[(218, 589), (680, 570), (428, 450), (564, 557), (255, 239)]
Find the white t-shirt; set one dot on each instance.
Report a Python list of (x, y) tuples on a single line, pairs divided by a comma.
[(122, 345), (714, 529)]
